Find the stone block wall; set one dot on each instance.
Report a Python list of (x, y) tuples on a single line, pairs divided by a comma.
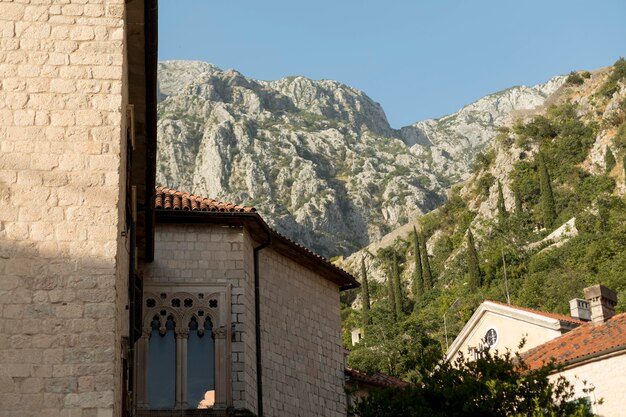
[(209, 254), (301, 336), (302, 352), (62, 261)]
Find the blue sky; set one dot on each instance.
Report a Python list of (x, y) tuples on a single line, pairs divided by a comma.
[(419, 58)]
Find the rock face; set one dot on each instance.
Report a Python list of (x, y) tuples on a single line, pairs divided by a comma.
[(452, 141), (317, 158)]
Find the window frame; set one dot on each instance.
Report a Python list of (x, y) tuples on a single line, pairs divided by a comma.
[(201, 296)]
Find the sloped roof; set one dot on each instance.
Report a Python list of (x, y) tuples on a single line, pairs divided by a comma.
[(584, 342), (559, 317), (168, 199), (378, 379), (173, 205), (552, 321)]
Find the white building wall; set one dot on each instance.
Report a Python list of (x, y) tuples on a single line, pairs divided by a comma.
[(608, 376)]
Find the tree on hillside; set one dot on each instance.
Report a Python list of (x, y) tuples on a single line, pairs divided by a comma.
[(427, 274), (548, 209), (493, 385), (502, 214), (473, 267), (397, 287), (397, 348), (365, 294), (609, 160), (418, 280), (387, 257)]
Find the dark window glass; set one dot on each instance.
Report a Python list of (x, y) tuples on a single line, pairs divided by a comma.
[(200, 364), (162, 366)]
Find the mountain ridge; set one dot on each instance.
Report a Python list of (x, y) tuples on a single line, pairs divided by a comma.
[(317, 158)]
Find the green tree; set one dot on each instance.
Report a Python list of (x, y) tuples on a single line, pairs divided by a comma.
[(611, 85), (490, 386), (574, 78), (475, 279), (502, 214), (518, 201), (418, 280), (548, 209), (365, 294), (387, 257), (398, 348), (609, 160), (397, 287), (427, 274)]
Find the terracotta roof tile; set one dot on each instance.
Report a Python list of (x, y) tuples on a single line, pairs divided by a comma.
[(378, 379), (582, 342), (542, 313), (168, 199)]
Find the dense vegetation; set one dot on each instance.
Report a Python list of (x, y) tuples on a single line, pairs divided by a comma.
[(427, 296), (490, 386)]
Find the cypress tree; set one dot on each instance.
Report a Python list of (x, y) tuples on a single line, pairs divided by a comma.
[(387, 257), (609, 160), (397, 288), (502, 214), (427, 275), (472, 262), (518, 201), (547, 198), (418, 280), (392, 297), (365, 294)]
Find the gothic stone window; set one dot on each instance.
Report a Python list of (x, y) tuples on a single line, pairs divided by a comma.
[(182, 354)]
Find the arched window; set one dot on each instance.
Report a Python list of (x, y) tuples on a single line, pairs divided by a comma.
[(162, 363), (200, 363), (181, 356)]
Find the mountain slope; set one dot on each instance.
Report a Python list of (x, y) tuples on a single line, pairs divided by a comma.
[(317, 158), (546, 207)]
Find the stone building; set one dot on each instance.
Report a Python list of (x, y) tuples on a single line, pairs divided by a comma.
[(272, 305), (77, 239)]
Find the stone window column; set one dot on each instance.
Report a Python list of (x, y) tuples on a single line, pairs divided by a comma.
[(181, 367), (221, 374)]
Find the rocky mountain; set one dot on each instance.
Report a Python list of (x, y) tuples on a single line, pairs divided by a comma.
[(317, 158), (581, 136)]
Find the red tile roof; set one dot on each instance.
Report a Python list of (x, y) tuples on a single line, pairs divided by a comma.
[(169, 199), (581, 343), (377, 379), (559, 317)]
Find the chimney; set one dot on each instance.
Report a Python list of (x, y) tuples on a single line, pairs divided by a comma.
[(579, 309), (602, 301)]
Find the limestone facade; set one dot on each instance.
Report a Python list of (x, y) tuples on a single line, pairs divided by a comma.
[(302, 353), (63, 265), (303, 365)]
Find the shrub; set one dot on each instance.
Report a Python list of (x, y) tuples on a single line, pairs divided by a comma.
[(609, 160), (618, 74), (574, 78)]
